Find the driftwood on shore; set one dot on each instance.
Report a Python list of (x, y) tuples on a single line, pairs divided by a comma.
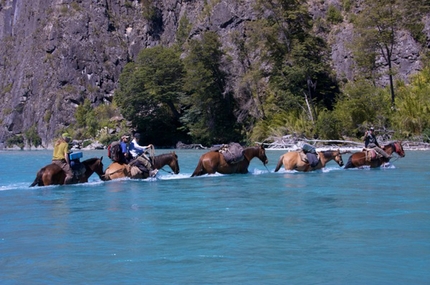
[(181, 145), (294, 142)]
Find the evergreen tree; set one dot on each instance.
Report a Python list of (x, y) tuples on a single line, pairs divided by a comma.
[(377, 28), (209, 115), (300, 79), (149, 93)]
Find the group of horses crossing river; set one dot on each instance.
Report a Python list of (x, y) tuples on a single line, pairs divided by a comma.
[(214, 161)]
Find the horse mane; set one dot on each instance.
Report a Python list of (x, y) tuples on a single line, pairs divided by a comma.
[(165, 155), (90, 160), (390, 144), (328, 153)]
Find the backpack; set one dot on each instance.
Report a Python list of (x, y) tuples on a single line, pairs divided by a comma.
[(114, 152), (233, 153), (309, 149)]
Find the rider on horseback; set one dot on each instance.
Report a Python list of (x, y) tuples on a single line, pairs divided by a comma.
[(138, 153), (61, 156), (370, 141)]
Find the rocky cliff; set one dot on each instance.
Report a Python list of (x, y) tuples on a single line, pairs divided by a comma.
[(56, 53)]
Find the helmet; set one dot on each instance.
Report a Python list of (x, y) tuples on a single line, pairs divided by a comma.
[(137, 135), (66, 136)]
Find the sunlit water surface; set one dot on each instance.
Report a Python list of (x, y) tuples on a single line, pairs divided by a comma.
[(333, 226)]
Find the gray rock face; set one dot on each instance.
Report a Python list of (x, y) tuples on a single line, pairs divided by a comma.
[(56, 53)]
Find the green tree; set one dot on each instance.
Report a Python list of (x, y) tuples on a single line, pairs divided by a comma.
[(300, 80), (32, 137), (361, 105), (86, 121), (184, 28), (413, 105), (149, 92), (209, 114), (377, 28)]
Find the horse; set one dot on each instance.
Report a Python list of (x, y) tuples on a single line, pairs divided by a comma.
[(362, 158), (120, 170), (292, 160), (213, 161), (52, 174)]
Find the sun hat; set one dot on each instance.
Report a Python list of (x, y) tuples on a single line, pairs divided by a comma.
[(372, 128)]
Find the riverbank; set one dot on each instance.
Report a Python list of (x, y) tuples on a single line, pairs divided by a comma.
[(288, 145)]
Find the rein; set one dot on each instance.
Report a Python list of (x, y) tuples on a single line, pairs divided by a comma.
[(170, 172)]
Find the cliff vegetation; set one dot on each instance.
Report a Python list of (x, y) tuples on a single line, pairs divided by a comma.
[(212, 72)]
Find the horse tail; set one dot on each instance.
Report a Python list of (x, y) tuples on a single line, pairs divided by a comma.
[(278, 166), (199, 169), (349, 164), (38, 180)]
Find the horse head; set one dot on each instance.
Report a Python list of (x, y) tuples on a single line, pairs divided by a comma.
[(394, 147), (174, 164), (398, 148), (95, 165), (99, 169), (262, 154), (337, 156), (170, 159)]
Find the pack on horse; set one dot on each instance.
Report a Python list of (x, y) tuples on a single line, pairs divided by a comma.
[(371, 158), (293, 161), (121, 170), (214, 161), (52, 174)]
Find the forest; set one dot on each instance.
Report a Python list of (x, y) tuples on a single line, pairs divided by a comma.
[(183, 92)]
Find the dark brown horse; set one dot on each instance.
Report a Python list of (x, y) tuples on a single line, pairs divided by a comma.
[(292, 160), (213, 161), (117, 170), (52, 174), (369, 157)]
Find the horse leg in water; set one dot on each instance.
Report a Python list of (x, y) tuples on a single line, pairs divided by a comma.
[(52, 177), (38, 180), (199, 169), (349, 163), (280, 163), (49, 175), (356, 160)]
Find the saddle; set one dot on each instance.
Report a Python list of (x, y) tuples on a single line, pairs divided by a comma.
[(309, 155), (371, 154), (136, 164), (233, 153)]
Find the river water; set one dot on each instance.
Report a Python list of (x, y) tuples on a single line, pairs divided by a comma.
[(332, 226)]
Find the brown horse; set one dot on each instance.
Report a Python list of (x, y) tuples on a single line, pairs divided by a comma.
[(52, 174), (365, 157), (117, 170), (292, 160), (213, 161)]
